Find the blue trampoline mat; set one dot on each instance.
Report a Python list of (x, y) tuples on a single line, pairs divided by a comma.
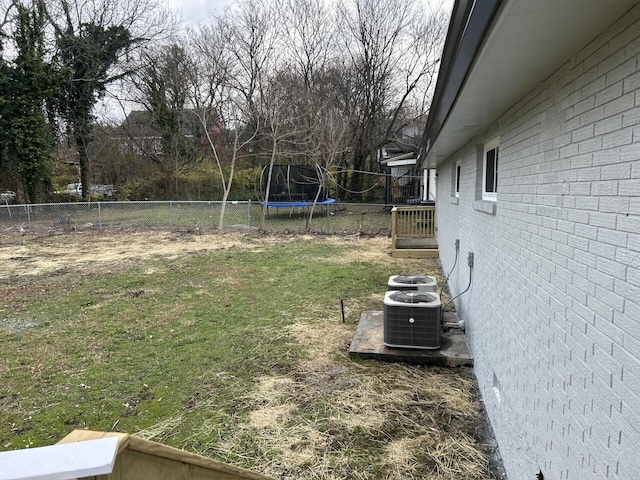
[(328, 201)]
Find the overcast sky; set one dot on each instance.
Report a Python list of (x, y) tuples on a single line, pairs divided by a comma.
[(195, 11)]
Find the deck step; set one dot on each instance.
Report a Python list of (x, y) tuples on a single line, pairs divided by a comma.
[(415, 253)]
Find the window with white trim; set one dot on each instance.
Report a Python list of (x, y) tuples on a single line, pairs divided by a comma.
[(490, 170), (457, 180)]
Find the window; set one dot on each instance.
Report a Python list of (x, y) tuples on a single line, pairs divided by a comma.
[(457, 180), (490, 171)]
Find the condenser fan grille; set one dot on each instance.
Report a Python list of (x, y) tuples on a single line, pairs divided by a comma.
[(412, 297), (412, 282), (412, 279)]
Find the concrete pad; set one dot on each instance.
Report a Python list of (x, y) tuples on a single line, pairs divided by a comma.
[(368, 344)]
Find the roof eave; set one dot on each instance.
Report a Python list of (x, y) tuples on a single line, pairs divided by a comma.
[(522, 44)]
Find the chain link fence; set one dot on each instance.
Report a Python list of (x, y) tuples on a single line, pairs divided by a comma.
[(337, 218)]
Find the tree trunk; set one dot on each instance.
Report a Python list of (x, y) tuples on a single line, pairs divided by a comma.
[(227, 188), (268, 186), (83, 159)]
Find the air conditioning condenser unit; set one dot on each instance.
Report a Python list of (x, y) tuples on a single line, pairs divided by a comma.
[(412, 319)]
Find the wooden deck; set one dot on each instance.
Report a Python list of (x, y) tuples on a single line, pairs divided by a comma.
[(413, 232)]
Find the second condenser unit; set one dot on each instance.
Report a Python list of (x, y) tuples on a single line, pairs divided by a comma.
[(419, 283)]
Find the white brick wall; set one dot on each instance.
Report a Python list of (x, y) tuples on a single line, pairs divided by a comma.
[(553, 315)]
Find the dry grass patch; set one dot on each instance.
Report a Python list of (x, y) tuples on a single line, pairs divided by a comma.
[(29, 256), (399, 421)]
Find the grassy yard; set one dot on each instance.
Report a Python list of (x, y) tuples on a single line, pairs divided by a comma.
[(230, 346)]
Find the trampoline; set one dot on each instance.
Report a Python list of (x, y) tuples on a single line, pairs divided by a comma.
[(326, 201), (293, 186)]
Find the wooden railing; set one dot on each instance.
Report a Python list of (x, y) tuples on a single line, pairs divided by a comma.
[(410, 222)]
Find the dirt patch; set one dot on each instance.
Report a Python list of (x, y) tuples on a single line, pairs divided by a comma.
[(30, 255)]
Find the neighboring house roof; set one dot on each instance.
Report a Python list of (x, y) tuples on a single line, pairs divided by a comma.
[(142, 124), (496, 52), (406, 142)]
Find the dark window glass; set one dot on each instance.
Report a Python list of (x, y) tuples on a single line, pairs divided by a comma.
[(491, 169)]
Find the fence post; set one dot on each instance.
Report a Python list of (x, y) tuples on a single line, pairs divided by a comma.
[(171, 213), (328, 221), (249, 213), (29, 215), (99, 216)]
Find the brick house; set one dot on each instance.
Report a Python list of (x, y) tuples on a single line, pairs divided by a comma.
[(535, 135)]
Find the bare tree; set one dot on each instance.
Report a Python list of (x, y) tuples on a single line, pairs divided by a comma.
[(221, 102), (282, 126), (309, 37), (250, 37), (385, 40), (249, 32)]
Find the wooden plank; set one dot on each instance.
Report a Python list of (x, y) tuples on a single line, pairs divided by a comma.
[(60, 462), (135, 465), (394, 226), (415, 253), (84, 435), (147, 460), (224, 471)]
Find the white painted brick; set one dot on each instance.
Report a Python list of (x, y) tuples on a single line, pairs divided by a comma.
[(627, 290), (617, 138), (608, 94), (599, 278), (616, 171), (619, 105), (620, 71), (592, 116), (628, 320), (569, 150), (561, 262), (629, 188), (576, 268), (629, 342), (608, 188), (606, 157), (629, 223), (628, 257), (612, 237), (587, 231), (614, 204), (612, 268), (588, 203), (633, 276), (607, 125), (588, 131), (631, 117), (632, 83), (596, 85), (612, 299), (591, 145), (606, 220), (574, 216)]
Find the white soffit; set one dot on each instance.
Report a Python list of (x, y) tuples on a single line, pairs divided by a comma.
[(527, 42), (401, 163)]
